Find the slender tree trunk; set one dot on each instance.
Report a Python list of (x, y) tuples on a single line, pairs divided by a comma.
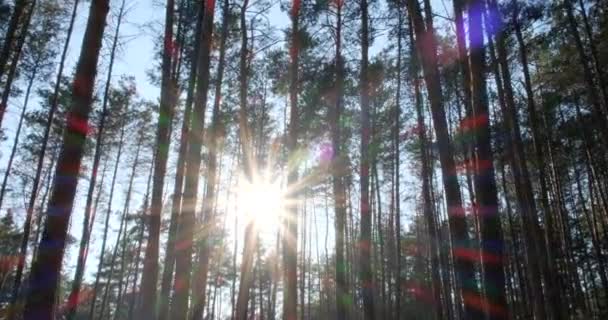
[(126, 210), (47, 131), (538, 138), (290, 244), (366, 219), (397, 198), (426, 46), (17, 135), (597, 63), (594, 99), (46, 268), (163, 140), (183, 262), (73, 299), (425, 174), (106, 226), (12, 73), (134, 301), (9, 36), (214, 134), (169, 264), (485, 181), (337, 169), (246, 277)]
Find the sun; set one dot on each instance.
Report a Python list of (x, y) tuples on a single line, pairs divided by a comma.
[(262, 201)]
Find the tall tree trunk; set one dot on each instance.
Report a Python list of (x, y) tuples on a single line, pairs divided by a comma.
[(597, 63), (183, 262), (134, 301), (9, 36), (397, 197), (126, 209), (47, 130), (163, 140), (214, 134), (495, 303), (427, 51), (250, 241), (290, 232), (106, 226), (123, 228), (337, 169), (425, 174), (366, 219), (12, 73), (169, 264), (45, 273), (538, 138), (594, 99), (17, 134), (73, 299)]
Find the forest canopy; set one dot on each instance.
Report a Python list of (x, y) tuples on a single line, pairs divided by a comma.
[(303, 159)]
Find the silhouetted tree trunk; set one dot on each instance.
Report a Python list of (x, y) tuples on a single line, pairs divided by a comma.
[(17, 133), (73, 299), (12, 73), (214, 135), (47, 131), (427, 52), (290, 232), (250, 241), (169, 264), (9, 36), (183, 262), (134, 299), (425, 174), (337, 170), (163, 140), (106, 227), (46, 268), (366, 219), (484, 177)]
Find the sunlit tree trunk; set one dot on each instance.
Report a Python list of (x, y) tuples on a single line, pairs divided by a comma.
[(46, 268)]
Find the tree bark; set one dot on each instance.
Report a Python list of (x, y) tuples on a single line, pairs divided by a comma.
[(366, 219), (176, 205), (73, 299), (12, 73), (163, 140), (495, 303), (214, 134), (290, 232), (9, 36), (45, 274), (426, 46)]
